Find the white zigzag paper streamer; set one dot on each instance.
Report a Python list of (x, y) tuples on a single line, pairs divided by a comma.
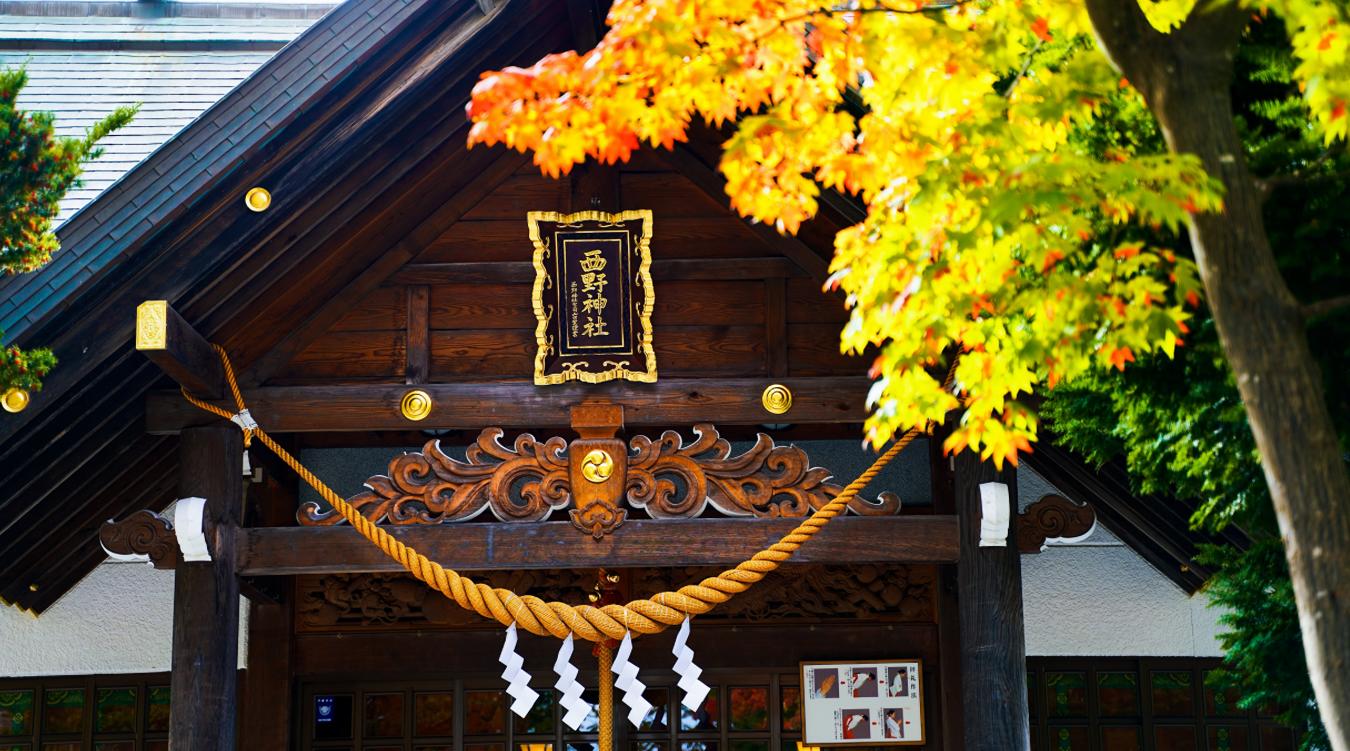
[(517, 680), (569, 689), (695, 690), (627, 681)]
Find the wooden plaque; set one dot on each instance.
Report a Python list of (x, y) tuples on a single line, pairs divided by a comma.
[(862, 703), (593, 296)]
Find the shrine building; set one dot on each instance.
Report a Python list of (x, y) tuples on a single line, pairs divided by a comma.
[(566, 405)]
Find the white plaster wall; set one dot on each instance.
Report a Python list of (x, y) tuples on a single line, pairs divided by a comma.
[(1097, 597), (119, 619)]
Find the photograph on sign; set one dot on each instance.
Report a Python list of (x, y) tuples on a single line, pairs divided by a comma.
[(873, 703)]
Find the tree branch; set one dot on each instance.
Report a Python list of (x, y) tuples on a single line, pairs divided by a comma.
[(1026, 66), (1322, 307)]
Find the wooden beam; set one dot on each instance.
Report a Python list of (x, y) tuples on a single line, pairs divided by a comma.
[(472, 406), (172, 344), (276, 551), (710, 181), (993, 641), (206, 596)]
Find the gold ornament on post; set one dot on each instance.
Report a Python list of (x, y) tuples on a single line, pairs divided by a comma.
[(777, 399), (257, 199), (416, 405), (152, 325), (15, 400)]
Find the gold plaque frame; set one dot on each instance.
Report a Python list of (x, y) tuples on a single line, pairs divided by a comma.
[(543, 312)]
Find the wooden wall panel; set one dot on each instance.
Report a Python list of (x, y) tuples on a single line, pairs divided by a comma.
[(482, 354), (813, 350), (668, 194), (687, 303), (481, 306), (806, 303), (348, 356), (523, 192), (710, 350), (683, 351), (385, 309)]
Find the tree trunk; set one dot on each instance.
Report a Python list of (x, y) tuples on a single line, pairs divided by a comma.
[(1185, 77)]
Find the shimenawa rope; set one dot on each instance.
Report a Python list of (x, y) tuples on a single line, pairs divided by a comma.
[(647, 616)]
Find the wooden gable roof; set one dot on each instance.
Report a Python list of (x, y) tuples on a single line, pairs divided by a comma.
[(380, 216)]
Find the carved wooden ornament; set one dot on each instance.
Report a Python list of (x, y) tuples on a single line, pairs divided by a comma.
[(665, 477), (1053, 517), (142, 533)]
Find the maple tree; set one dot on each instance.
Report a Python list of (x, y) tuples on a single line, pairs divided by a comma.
[(988, 231), (37, 170)]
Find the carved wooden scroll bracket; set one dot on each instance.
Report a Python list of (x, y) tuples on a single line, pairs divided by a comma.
[(595, 474), (1053, 517), (142, 533)]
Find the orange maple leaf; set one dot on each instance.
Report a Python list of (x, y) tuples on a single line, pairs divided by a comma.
[(1041, 28), (1120, 356)]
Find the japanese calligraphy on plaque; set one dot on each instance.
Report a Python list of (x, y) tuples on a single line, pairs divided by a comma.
[(593, 296)]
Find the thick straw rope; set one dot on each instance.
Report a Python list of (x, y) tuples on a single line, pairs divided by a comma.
[(559, 619)]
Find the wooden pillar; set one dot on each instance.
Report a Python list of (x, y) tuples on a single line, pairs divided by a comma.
[(206, 596), (949, 609), (265, 703), (993, 644)]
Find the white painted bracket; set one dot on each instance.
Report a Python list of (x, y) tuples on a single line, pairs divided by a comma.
[(189, 526), (995, 515)]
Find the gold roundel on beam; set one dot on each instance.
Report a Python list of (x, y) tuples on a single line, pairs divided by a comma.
[(597, 466), (776, 398), (15, 400), (257, 199), (416, 405)]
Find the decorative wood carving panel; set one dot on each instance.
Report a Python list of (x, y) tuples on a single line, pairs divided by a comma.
[(887, 593), (666, 477), (1052, 517), (671, 479), (142, 533), (524, 482)]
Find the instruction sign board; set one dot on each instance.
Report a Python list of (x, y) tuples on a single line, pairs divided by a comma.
[(875, 703)]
